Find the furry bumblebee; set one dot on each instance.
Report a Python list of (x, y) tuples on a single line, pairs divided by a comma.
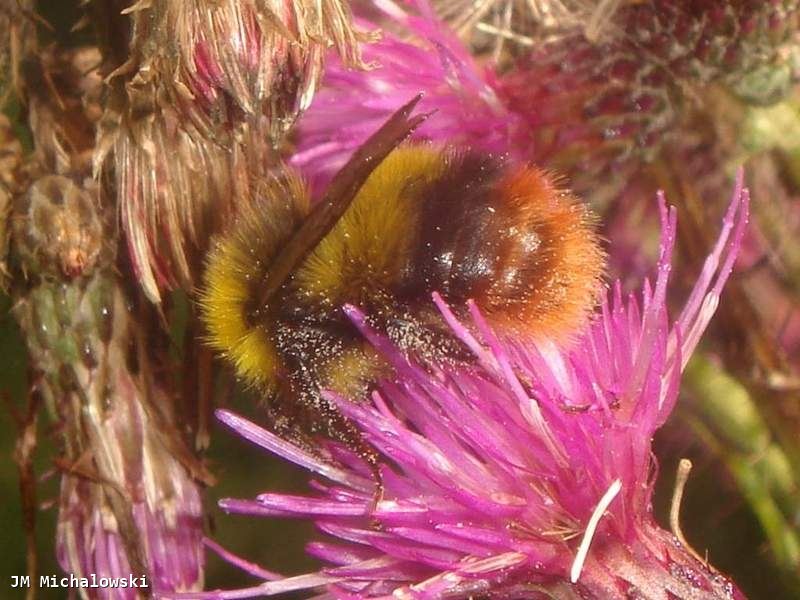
[(416, 220)]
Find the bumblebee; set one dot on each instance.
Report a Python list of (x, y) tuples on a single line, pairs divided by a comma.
[(416, 219)]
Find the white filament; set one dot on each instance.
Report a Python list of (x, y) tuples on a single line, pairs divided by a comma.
[(583, 549)]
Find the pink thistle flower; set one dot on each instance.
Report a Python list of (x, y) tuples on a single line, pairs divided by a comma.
[(352, 103), (530, 472), (166, 523)]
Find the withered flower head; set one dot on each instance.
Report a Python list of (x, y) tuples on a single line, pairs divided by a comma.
[(204, 80), (492, 24), (171, 191), (226, 61), (62, 91), (57, 228)]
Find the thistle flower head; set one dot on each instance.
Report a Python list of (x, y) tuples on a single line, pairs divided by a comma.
[(529, 471), (351, 104), (596, 107), (204, 80), (589, 104), (64, 241), (172, 192), (495, 24), (146, 524), (226, 62)]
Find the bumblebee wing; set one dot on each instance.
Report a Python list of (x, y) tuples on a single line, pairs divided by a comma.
[(340, 193)]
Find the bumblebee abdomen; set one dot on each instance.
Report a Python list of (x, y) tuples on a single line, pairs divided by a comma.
[(509, 239), (457, 252)]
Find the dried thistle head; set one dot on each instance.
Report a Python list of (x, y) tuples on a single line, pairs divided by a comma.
[(171, 193), (57, 228), (55, 214), (205, 82), (226, 61), (513, 26), (129, 502)]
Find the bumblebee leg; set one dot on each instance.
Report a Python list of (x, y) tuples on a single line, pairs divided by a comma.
[(357, 444)]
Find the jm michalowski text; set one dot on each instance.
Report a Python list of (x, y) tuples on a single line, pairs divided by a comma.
[(71, 581)]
